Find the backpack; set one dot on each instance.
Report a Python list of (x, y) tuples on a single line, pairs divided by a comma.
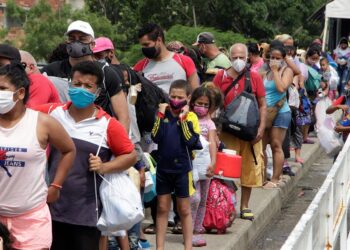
[(313, 82), (241, 117), (220, 207), (147, 103)]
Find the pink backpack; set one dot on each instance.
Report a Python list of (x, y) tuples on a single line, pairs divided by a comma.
[(220, 208)]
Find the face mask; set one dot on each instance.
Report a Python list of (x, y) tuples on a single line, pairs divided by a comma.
[(6, 101), (200, 111), (238, 65), (176, 106), (78, 49), (151, 52), (278, 62), (81, 98)]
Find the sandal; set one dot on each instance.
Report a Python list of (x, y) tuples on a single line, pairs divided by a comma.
[(177, 229), (270, 185), (288, 171), (308, 141), (246, 214), (151, 229), (299, 160), (198, 241)]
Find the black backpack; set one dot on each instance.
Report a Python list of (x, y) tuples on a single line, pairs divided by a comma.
[(241, 117), (147, 103)]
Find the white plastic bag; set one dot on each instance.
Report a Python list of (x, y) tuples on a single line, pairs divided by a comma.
[(201, 161), (122, 205), (330, 141)]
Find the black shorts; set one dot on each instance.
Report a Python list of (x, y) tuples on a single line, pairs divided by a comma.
[(74, 237), (179, 183)]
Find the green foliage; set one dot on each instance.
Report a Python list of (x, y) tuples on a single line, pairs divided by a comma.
[(15, 15), (45, 28), (188, 35)]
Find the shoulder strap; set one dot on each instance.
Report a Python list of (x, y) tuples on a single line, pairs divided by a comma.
[(233, 83), (248, 85), (144, 64)]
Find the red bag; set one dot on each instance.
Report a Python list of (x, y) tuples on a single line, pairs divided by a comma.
[(220, 208)]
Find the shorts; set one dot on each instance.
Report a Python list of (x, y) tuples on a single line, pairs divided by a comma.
[(74, 237), (251, 174), (32, 230), (179, 183), (282, 120)]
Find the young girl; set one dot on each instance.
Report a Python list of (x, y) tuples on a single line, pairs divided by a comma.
[(201, 103)]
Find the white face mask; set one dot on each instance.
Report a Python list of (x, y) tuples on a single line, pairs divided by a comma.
[(6, 101), (238, 65)]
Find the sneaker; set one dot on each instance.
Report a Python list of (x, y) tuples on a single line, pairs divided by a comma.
[(144, 245)]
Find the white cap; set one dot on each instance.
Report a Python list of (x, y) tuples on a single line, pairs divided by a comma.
[(82, 27)]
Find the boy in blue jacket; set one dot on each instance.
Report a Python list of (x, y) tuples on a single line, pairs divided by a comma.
[(176, 131)]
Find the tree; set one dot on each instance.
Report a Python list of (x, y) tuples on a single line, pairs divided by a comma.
[(45, 28)]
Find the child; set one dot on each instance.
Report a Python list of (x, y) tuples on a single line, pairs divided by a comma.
[(331, 76), (201, 102), (176, 131), (342, 103)]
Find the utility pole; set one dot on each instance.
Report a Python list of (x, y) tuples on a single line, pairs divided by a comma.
[(194, 15)]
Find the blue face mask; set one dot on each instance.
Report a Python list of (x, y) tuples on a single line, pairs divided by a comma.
[(81, 98)]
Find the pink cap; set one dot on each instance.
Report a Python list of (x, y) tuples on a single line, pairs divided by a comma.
[(102, 43)]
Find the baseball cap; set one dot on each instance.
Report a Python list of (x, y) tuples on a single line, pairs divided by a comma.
[(9, 52), (204, 37), (81, 26), (102, 43)]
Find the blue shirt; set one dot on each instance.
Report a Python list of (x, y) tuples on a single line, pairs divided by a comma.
[(273, 96)]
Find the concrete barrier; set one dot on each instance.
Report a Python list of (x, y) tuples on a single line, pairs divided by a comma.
[(324, 224)]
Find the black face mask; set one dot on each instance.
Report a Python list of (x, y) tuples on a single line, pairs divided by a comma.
[(151, 52), (78, 49)]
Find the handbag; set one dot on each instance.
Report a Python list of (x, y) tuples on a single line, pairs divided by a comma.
[(271, 112)]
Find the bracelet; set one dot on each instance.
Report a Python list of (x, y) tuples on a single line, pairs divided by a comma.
[(56, 186)]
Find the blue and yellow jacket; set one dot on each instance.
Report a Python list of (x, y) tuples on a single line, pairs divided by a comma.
[(176, 139)]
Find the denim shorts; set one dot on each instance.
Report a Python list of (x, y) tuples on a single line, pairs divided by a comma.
[(282, 120)]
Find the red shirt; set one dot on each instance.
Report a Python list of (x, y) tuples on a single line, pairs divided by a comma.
[(222, 80), (41, 91)]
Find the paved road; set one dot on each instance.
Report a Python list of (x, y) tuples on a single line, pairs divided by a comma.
[(275, 234)]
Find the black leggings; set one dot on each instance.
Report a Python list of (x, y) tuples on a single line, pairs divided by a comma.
[(74, 237)]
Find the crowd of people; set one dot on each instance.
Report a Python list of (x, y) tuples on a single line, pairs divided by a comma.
[(85, 115)]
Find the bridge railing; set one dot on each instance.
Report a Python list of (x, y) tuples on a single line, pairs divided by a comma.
[(324, 223)]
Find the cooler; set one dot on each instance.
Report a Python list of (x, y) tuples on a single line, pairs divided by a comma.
[(228, 164)]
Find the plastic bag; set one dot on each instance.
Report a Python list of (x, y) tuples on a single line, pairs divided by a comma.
[(122, 205), (330, 141), (201, 161)]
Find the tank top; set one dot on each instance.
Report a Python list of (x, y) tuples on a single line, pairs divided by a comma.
[(22, 167), (273, 96)]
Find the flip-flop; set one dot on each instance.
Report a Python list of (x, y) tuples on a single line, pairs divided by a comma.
[(177, 229), (270, 185), (246, 214), (151, 229)]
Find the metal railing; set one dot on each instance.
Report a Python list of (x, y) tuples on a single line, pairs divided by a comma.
[(324, 224)]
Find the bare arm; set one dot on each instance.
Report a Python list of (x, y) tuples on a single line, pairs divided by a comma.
[(262, 111), (120, 108), (212, 146), (193, 80), (282, 82), (118, 164), (57, 136), (293, 66)]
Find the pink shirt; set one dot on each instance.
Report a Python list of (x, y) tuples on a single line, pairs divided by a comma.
[(206, 124), (256, 66)]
